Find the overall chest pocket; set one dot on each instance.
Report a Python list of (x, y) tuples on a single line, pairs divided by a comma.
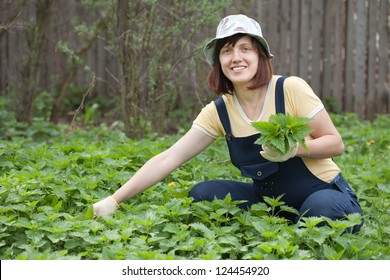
[(259, 171)]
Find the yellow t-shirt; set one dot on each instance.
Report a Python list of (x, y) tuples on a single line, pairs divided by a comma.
[(300, 101)]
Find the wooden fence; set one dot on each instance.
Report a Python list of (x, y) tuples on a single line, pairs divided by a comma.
[(341, 47)]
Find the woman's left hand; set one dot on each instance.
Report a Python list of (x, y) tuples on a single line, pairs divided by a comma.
[(275, 156)]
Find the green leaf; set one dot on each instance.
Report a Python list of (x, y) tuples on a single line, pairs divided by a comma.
[(274, 202), (311, 222), (171, 228), (289, 209), (331, 254), (282, 132), (203, 229), (113, 235), (108, 254), (88, 213)]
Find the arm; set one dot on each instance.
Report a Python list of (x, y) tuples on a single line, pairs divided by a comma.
[(161, 165), (325, 140)]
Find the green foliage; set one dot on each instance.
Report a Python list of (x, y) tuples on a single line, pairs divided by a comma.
[(165, 42), (282, 132), (65, 48), (47, 187)]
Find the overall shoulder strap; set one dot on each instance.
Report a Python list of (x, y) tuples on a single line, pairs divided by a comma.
[(279, 96), (223, 116)]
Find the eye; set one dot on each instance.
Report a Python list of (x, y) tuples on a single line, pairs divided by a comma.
[(246, 48), (226, 50)]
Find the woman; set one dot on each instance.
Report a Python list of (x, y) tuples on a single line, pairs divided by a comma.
[(242, 75)]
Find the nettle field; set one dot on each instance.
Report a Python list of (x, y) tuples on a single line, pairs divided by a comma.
[(47, 187)]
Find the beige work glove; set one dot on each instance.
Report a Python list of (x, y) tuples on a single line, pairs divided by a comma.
[(275, 156), (105, 207)]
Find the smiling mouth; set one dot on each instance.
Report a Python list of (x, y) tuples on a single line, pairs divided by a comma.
[(238, 68)]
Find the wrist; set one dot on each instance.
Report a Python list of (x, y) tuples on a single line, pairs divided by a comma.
[(114, 200), (302, 152)]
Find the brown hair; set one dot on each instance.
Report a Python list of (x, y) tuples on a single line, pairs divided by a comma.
[(220, 84)]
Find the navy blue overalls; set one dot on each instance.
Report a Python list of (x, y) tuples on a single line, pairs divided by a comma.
[(291, 178)]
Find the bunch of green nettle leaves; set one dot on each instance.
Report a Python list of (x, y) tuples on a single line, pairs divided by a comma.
[(282, 132)]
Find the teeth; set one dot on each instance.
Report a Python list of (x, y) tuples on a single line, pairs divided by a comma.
[(238, 68)]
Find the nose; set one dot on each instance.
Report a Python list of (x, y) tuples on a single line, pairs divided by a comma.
[(236, 55)]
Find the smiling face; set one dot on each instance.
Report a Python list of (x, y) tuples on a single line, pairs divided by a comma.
[(224, 79), (239, 61)]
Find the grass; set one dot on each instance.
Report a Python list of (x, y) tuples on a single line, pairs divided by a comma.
[(47, 187)]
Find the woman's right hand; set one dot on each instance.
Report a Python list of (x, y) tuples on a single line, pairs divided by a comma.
[(105, 207)]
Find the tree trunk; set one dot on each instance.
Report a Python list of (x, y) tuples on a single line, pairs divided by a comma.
[(37, 36), (128, 74)]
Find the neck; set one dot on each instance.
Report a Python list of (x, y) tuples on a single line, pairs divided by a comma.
[(251, 101), (245, 95)]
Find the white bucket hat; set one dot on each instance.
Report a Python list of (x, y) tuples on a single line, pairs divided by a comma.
[(232, 25)]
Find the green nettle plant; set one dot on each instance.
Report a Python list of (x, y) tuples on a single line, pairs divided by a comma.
[(47, 187), (282, 132)]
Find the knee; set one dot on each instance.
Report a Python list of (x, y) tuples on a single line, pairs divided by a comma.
[(200, 192), (325, 203), (331, 204)]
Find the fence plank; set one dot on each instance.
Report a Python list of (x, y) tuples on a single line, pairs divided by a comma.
[(339, 11), (273, 24), (14, 61), (328, 47), (360, 65), (383, 99), (294, 66), (316, 36), (285, 36), (349, 59), (303, 42), (372, 58), (3, 63)]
